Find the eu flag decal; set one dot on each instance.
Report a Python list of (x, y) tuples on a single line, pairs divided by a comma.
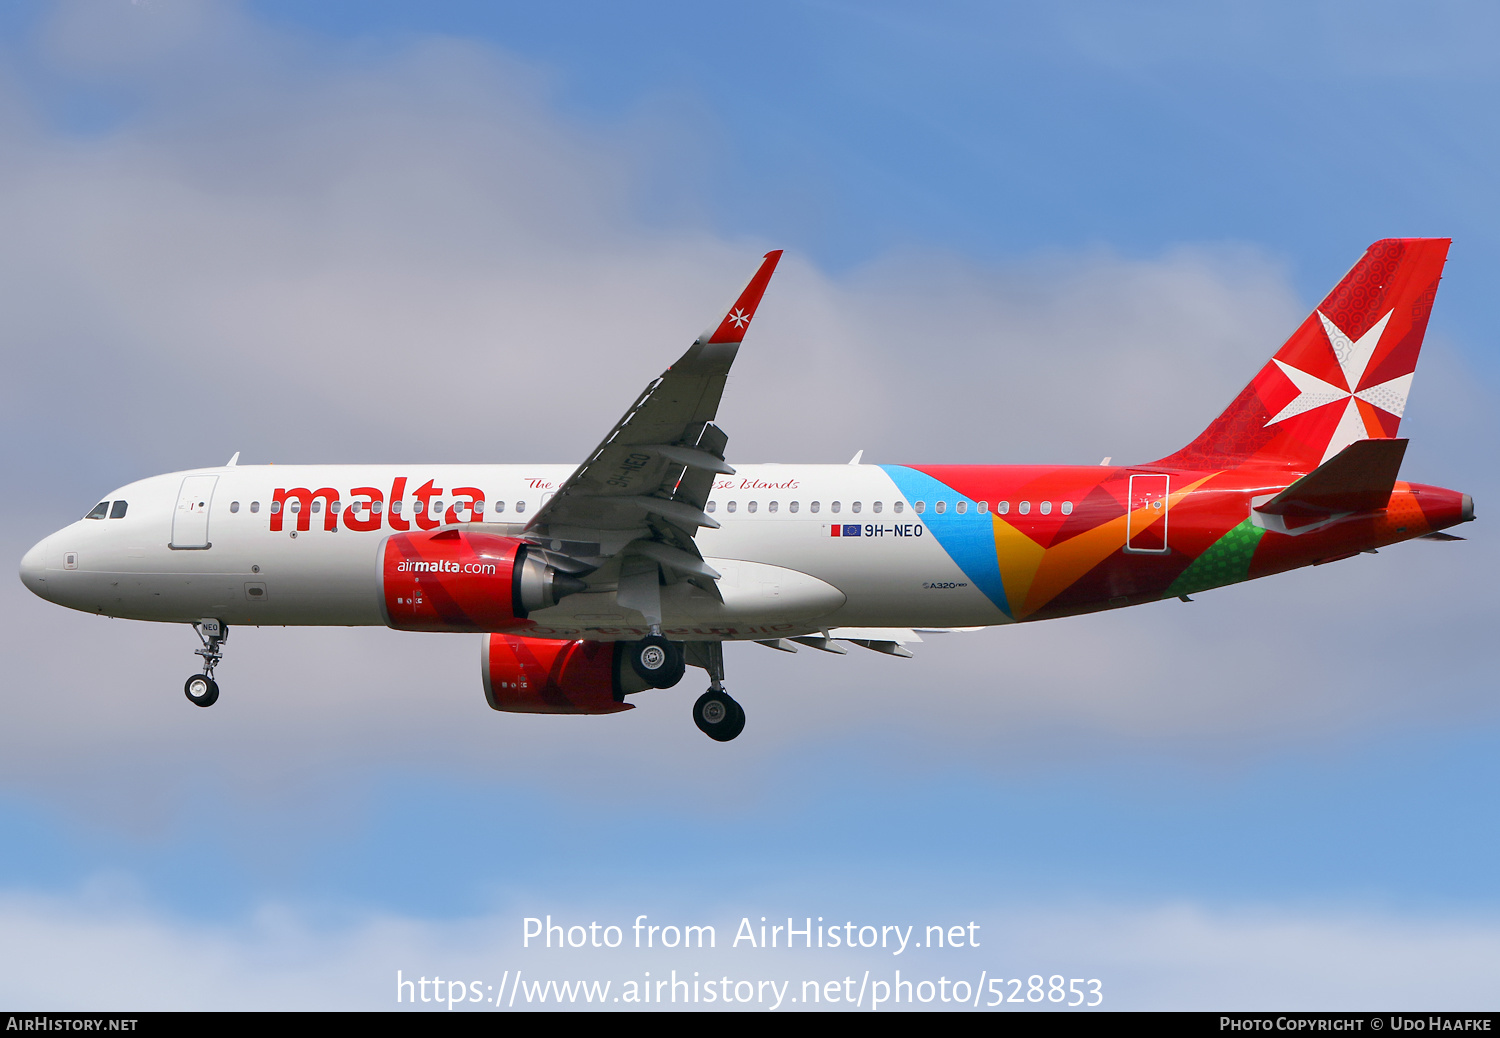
[(851, 531)]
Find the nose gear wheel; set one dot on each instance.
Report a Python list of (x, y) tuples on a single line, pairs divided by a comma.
[(202, 689)]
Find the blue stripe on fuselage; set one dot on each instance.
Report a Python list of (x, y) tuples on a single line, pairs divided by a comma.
[(968, 539)]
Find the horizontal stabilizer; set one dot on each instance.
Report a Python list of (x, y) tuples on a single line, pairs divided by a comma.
[(1358, 478)]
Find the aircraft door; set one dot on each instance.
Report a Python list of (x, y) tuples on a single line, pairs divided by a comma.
[(1146, 524), (190, 520)]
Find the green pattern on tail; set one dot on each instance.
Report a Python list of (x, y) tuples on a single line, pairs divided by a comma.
[(1227, 561)]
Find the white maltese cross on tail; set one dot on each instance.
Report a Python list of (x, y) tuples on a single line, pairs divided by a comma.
[(1353, 357)]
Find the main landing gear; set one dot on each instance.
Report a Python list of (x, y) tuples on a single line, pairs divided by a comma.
[(718, 716), (657, 662), (716, 713), (661, 664), (202, 689)]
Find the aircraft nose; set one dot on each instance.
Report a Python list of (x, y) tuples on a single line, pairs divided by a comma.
[(34, 569)]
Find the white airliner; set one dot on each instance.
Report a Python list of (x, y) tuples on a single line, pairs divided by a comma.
[(595, 582)]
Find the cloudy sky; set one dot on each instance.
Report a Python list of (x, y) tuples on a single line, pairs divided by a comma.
[(371, 231)]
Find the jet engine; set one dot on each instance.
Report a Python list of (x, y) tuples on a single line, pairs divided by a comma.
[(455, 580), (541, 676)]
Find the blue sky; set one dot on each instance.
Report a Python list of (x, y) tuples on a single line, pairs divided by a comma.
[(1004, 130), (1014, 234)]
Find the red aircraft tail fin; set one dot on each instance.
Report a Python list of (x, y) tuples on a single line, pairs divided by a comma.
[(1342, 376)]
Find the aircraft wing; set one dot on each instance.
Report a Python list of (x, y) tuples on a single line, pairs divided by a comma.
[(638, 499)]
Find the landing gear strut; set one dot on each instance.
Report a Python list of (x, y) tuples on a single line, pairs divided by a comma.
[(716, 713), (202, 689)]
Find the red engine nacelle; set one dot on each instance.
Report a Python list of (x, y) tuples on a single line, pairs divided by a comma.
[(540, 676), (454, 580)]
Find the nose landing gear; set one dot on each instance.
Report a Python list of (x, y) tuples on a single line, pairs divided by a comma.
[(202, 689)]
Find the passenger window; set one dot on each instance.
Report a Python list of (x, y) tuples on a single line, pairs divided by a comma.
[(1067, 508), (417, 507), (984, 507), (834, 507), (1003, 508), (940, 507), (317, 505), (815, 506), (733, 505), (100, 511), (478, 508), (499, 506), (117, 511), (752, 506), (876, 507), (899, 507), (296, 507), (275, 507), (771, 507), (1046, 507), (520, 506), (395, 508), (854, 507), (792, 507), (254, 507), (437, 508), (1025, 507), (712, 506), (919, 507), (234, 506), (962, 507), (334, 508)]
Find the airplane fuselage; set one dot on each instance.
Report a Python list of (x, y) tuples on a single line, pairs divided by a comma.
[(800, 548)]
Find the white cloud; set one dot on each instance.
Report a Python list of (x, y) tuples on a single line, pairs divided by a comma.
[(1188, 957), (85, 952)]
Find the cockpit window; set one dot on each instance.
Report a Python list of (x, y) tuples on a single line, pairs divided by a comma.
[(100, 511), (118, 511)]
